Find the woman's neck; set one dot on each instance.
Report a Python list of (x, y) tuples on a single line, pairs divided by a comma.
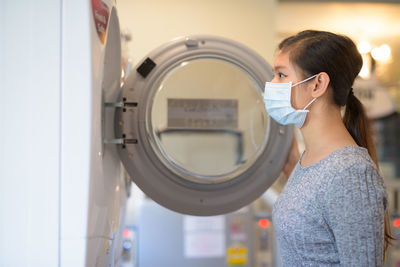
[(324, 133)]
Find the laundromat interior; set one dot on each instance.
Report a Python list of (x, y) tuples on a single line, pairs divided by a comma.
[(133, 133)]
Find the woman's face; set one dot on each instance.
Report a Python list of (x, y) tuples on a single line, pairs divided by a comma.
[(284, 72)]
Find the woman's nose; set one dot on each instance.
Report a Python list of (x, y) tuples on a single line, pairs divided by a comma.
[(274, 80)]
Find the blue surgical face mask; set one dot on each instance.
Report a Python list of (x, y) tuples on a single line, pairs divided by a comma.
[(277, 101)]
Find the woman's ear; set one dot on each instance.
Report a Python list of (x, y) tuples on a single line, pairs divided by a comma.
[(321, 83)]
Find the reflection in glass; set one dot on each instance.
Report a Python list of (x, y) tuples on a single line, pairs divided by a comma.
[(208, 119)]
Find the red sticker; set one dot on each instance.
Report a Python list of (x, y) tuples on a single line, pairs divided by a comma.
[(100, 15)]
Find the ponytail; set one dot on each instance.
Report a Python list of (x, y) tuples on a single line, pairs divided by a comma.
[(358, 126)]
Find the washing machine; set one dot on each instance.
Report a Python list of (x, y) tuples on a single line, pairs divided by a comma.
[(94, 188), (192, 129), (188, 126), (62, 190)]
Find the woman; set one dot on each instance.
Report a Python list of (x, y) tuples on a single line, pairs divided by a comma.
[(333, 209)]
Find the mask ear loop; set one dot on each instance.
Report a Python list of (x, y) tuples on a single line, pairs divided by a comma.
[(309, 104), (303, 81)]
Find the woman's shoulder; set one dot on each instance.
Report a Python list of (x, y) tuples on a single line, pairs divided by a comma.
[(350, 158), (351, 165), (345, 159)]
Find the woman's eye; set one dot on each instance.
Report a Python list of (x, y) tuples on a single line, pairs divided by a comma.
[(281, 75)]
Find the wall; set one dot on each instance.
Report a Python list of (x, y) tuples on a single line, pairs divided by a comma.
[(359, 20), (153, 22)]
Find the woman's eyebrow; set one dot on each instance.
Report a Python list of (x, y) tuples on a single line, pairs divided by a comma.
[(277, 68)]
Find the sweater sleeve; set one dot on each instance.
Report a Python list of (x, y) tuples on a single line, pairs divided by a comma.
[(355, 207)]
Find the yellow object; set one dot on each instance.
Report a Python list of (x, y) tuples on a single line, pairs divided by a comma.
[(236, 255)]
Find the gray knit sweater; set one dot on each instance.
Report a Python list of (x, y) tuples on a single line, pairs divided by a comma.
[(332, 213)]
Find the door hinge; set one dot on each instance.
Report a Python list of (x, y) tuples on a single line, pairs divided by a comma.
[(121, 141), (123, 104)]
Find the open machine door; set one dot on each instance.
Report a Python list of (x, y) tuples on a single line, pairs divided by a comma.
[(192, 127)]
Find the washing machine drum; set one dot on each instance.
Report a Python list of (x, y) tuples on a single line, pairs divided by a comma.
[(197, 138)]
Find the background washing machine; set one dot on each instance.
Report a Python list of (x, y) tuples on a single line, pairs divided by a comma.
[(189, 126)]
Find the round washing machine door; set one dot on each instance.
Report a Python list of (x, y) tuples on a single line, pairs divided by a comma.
[(197, 138)]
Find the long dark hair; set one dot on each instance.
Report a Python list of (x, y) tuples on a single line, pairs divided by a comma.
[(337, 55)]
